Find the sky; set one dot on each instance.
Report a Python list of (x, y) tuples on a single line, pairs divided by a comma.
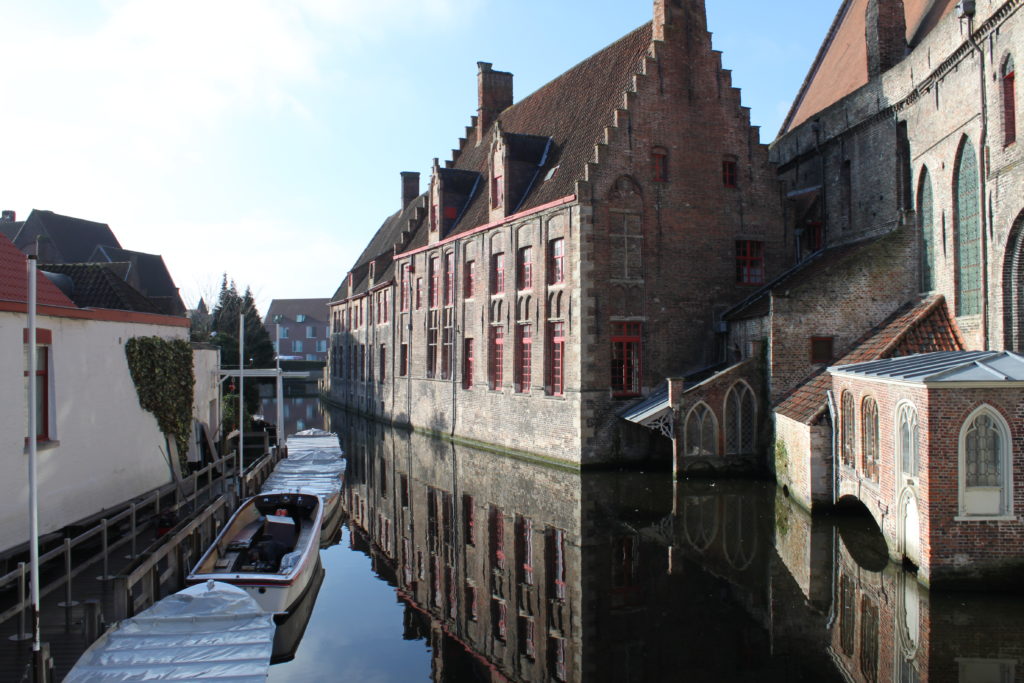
[(264, 138)]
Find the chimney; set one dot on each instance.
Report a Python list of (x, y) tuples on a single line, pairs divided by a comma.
[(494, 95), (410, 187), (885, 33), (671, 14), (7, 216)]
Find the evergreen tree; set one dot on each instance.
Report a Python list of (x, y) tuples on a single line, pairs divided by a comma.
[(202, 322)]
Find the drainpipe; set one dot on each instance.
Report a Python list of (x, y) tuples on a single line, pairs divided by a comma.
[(983, 167)]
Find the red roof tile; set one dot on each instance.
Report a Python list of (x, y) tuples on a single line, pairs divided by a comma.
[(920, 327), (14, 280)]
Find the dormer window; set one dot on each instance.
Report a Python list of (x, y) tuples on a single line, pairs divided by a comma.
[(373, 269), (659, 164), (300, 318)]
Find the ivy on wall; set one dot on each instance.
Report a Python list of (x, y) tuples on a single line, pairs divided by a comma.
[(164, 380)]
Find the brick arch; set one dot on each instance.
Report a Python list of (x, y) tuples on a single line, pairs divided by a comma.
[(1013, 287)]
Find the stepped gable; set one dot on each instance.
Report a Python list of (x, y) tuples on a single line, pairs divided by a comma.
[(924, 326), (71, 240), (97, 286), (13, 280), (572, 110), (841, 65), (382, 246)]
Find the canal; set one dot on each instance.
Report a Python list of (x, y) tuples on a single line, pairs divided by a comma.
[(460, 565)]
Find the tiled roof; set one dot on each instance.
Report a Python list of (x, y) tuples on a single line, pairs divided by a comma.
[(841, 65), (97, 286), (944, 367), (14, 283), (920, 327), (10, 229), (149, 274), (315, 310), (71, 240)]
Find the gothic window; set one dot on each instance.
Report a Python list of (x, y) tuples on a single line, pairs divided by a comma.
[(626, 358), (1009, 103), (907, 439), (497, 359), (525, 268), (470, 280), (869, 438), (848, 421), (925, 214), (524, 353), (556, 269), (467, 364), (497, 273), (749, 262), (701, 432), (985, 472), (740, 420), (968, 233), (627, 243), (556, 362)]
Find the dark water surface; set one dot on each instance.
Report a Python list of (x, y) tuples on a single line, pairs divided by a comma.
[(461, 565)]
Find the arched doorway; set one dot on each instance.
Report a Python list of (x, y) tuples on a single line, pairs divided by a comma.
[(1013, 288)]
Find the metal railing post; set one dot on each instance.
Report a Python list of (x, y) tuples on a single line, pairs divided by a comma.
[(104, 526), (21, 634), (134, 531), (68, 600)]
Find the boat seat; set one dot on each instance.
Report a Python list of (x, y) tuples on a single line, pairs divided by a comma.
[(281, 529)]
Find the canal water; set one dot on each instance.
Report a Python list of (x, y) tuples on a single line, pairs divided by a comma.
[(460, 565)]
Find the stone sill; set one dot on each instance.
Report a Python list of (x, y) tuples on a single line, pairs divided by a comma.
[(986, 518), (43, 446)]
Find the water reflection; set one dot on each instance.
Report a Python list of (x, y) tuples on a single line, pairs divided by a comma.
[(509, 570), (300, 412)]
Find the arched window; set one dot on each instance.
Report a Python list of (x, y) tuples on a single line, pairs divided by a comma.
[(925, 214), (968, 232), (985, 472), (701, 431), (846, 405), (906, 439), (869, 438), (1009, 103), (740, 420)]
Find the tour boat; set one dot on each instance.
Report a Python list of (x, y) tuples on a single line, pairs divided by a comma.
[(269, 548)]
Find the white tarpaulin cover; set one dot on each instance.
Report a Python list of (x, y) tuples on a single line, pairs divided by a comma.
[(209, 632), (314, 464)]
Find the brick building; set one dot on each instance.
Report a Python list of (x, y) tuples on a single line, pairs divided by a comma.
[(302, 324), (578, 248)]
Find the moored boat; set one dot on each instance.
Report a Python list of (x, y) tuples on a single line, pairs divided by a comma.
[(269, 548)]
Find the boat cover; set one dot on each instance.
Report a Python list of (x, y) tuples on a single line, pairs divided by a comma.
[(211, 631), (314, 464)]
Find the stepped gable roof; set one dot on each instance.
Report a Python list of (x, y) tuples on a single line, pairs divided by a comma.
[(820, 263), (97, 286), (14, 280), (924, 326), (573, 111), (841, 65), (72, 240), (290, 308)]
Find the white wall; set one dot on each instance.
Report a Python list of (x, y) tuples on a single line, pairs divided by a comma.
[(205, 402), (110, 449)]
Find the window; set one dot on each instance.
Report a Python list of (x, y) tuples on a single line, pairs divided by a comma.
[(434, 291), (985, 471), (284, 332), (869, 639), (968, 233), (749, 262), (815, 235), (497, 356), (362, 362), (626, 358), (869, 438), (497, 273), (627, 242), (524, 351), (469, 286), (447, 344), (310, 332), (1009, 104), (556, 360), (451, 212), (41, 380), (925, 212), (403, 360), (848, 421), (381, 360), (297, 346), (496, 524), (821, 349), (729, 175), (555, 555), (419, 293), (700, 432), (467, 364), (300, 318), (432, 333), (524, 549), (740, 420), (321, 345), (403, 296), (525, 274), (907, 439), (557, 267), (847, 614), (659, 165), (497, 192), (449, 279)]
